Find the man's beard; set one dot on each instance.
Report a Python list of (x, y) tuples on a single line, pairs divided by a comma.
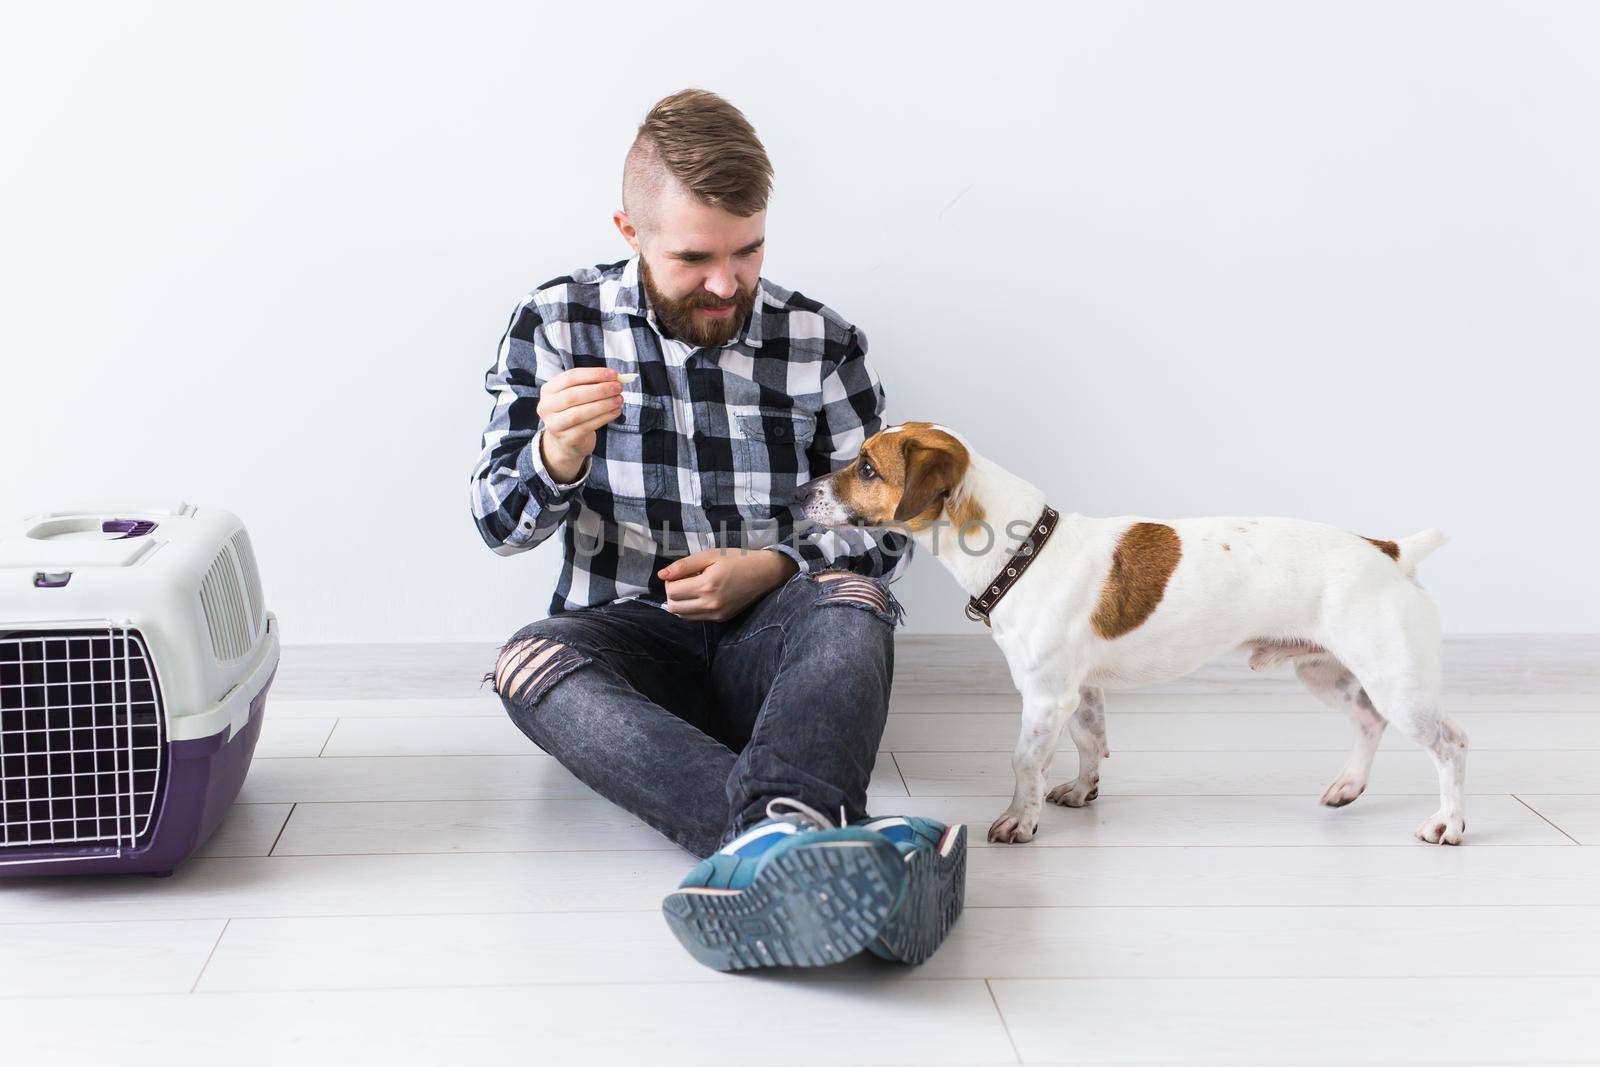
[(678, 318)]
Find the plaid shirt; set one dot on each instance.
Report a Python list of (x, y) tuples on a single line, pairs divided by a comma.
[(709, 447)]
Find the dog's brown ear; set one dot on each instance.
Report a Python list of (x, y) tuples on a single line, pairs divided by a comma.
[(930, 474)]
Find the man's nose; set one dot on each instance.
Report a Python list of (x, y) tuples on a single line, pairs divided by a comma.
[(723, 284)]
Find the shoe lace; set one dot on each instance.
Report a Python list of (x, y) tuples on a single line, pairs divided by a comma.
[(776, 806)]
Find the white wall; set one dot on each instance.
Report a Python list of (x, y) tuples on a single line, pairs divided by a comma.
[(1329, 260)]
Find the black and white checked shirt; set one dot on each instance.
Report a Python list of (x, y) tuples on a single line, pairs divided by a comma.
[(708, 449)]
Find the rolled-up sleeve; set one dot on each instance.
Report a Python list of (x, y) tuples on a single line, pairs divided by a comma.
[(516, 502)]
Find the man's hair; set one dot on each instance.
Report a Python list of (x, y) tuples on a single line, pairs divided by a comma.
[(705, 144)]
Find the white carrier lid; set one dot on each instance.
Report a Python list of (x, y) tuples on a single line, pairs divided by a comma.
[(97, 537)]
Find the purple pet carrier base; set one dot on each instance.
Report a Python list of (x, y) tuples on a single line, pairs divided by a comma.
[(203, 778)]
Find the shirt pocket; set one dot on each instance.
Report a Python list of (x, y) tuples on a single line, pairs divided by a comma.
[(633, 452), (771, 455)]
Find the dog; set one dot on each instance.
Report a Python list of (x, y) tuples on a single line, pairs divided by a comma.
[(1122, 602)]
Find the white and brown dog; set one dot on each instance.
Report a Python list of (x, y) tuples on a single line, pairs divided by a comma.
[(1117, 603)]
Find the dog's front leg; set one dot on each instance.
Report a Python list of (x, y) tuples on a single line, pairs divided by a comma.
[(1042, 720)]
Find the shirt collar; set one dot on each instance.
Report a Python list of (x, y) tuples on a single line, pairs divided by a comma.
[(630, 300)]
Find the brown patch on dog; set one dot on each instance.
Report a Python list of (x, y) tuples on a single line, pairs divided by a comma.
[(1226, 547), (1146, 556), (1388, 548), (914, 471)]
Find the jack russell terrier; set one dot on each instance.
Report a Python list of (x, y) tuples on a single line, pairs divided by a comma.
[(1085, 604)]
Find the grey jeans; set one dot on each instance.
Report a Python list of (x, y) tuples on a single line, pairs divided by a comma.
[(693, 726)]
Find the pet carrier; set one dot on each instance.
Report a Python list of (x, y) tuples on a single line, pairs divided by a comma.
[(135, 657)]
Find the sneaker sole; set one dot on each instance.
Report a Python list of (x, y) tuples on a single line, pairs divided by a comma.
[(807, 908), (936, 890)]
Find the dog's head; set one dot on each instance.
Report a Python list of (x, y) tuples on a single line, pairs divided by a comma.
[(903, 474)]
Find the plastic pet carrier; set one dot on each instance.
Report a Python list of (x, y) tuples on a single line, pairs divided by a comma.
[(135, 658)]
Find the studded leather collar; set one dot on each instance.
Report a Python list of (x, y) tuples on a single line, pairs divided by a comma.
[(979, 607)]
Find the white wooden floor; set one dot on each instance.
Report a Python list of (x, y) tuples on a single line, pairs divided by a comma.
[(408, 881)]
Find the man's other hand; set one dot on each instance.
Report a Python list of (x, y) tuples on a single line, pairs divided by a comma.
[(717, 584)]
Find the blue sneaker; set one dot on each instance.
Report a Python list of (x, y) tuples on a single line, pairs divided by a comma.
[(935, 856), (793, 890)]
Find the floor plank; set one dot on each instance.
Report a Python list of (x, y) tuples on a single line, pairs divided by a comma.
[(487, 736), (1395, 771), (378, 952), (247, 830), (956, 1023), (1576, 816), (286, 736), (1271, 942), (355, 707), (419, 778), (395, 952), (577, 824), (591, 823), (1187, 731), (82, 959), (1307, 1020), (1251, 822), (1016, 876), (530, 776), (250, 887), (487, 705), (1019, 876), (1141, 701)]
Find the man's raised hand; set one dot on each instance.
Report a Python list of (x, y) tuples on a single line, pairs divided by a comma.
[(572, 406)]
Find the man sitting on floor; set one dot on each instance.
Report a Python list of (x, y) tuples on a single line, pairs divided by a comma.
[(705, 665)]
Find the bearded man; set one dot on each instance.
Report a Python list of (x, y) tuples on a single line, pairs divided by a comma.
[(707, 663)]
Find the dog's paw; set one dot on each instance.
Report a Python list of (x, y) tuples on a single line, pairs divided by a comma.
[(1342, 792), (1010, 829), (1076, 793), (1442, 829)]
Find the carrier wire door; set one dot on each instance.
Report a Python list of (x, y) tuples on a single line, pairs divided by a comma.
[(81, 740)]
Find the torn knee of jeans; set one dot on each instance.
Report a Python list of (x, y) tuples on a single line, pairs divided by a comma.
[(529, 666), (859, 591)]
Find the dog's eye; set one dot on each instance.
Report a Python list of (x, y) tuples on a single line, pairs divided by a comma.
[(866, 470)]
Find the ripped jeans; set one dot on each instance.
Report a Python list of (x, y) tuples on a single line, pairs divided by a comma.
[(693, 726)]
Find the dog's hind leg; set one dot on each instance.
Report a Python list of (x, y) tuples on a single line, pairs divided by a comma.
[(1088, 729), (1332, 683), (1414, 710), (1400, 667)]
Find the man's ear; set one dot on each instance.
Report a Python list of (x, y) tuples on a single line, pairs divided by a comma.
[(930, 474), (626, 228)]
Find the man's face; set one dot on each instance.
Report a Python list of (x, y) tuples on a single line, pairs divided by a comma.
[(699, 265)]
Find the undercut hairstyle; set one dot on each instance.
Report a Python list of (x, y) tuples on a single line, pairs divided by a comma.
[(705, 144)]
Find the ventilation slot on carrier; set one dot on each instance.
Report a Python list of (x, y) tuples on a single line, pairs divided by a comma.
[(227, 614), (252, 577), (81, 739)]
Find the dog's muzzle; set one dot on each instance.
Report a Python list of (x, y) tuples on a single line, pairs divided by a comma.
[(818, 503)]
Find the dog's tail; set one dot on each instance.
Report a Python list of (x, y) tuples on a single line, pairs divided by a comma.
[(1418, 547)]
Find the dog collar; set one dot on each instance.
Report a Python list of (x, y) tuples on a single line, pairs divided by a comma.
[(979, 607)]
